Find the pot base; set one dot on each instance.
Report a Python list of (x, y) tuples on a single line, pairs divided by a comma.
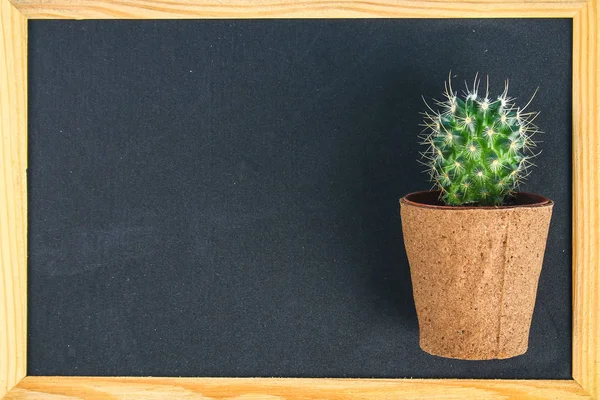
[(458, 351)]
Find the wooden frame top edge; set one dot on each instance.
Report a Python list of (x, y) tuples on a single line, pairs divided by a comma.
[(246, 9)]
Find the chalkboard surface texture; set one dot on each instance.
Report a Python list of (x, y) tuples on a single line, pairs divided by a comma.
[(220, 198)]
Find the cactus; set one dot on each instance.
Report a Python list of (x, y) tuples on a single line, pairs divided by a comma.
[(478, 148)]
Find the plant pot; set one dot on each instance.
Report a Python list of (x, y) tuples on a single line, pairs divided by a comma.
[(475, 273)]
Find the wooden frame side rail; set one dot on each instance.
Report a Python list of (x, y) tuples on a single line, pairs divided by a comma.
[(14, 384)]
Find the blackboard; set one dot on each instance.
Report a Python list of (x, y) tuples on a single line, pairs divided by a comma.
[(220, 197)]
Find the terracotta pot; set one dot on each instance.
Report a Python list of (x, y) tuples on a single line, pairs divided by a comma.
[(475, 273)]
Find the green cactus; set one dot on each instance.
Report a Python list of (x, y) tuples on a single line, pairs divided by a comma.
[(478, 148)]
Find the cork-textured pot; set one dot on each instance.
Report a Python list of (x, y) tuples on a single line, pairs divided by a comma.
[(475, 273)]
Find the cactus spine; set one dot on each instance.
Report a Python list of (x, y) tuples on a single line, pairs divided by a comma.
[(478, 148)]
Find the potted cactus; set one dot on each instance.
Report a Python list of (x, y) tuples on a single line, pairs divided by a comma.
[(475, 245)]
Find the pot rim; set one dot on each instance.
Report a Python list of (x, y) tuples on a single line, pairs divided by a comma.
[(541, 202)]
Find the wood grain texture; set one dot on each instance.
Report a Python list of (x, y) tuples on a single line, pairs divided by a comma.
[(586, 198), (586, 201), (64, 388), (145, 9), (13, 197)]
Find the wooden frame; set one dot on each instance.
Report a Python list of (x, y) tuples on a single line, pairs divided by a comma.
[(13, 204)]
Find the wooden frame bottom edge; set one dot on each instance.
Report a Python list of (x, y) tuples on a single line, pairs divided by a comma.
[(65, 388)]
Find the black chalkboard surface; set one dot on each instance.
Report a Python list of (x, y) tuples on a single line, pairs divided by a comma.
[(220, 198)]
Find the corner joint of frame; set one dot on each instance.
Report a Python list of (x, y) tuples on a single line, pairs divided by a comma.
[(580, 6), (17, 7), (584, 390)]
